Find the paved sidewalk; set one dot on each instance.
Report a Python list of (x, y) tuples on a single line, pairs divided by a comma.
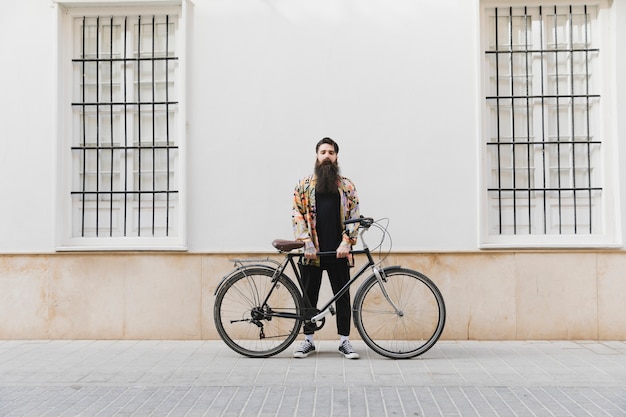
[(205, 378)]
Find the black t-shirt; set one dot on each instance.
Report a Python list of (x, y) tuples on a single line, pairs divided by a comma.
[(328, 223)]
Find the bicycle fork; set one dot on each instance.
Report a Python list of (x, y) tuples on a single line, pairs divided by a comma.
[(382, 278)]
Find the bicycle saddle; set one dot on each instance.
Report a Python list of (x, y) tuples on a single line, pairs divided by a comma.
[(287, 245)]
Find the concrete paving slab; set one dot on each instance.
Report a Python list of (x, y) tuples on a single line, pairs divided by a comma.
[(205, 378)]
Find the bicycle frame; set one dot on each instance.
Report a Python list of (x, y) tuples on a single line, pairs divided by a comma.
[(280, 268), (325, 309)]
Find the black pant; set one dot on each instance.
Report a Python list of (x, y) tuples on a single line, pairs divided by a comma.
[(339, 274)]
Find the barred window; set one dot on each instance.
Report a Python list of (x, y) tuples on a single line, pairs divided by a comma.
[(543, 133), (125, 130)]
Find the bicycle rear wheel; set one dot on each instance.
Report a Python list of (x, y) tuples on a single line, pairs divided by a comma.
[(410, 330), (247, 324)]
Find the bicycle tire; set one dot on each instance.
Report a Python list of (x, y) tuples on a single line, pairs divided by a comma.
[(245, 325), (399, 335)]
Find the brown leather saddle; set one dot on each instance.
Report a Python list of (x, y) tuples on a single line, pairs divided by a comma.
[(287, 245)]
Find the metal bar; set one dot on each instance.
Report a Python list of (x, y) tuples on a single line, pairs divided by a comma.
[(572, 96), (120, 103), (522, 52), (545, 189), (558, 126), (149, 192), (173, 58), (543, 122), (119, 147), (139, 126), (547, 142), (84, 126), (125, 70), (573, 115), (98, 126), (153, 129), (528, 171), (111, 117), (167, 125), (588, 109), (498, 124), (512, 83)]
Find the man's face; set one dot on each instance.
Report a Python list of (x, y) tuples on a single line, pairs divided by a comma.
[(326, 152)]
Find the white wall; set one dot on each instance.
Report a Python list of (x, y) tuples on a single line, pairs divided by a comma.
[(27, 138), (394, 82), (619, 54), (387, 80)]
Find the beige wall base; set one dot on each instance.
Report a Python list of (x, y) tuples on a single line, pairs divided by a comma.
[(489, 295)]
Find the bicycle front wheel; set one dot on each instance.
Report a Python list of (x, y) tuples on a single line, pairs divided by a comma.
[(256, 316), (406, 321)]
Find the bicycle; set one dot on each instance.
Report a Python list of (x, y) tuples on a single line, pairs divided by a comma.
[(259, 310)]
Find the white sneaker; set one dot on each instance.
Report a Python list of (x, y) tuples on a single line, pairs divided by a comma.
[(346, 350), (305, 349)]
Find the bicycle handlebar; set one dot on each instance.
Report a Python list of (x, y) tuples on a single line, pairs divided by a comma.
[(365, 222)]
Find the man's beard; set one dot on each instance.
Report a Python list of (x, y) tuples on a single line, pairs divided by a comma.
[(327, 174)]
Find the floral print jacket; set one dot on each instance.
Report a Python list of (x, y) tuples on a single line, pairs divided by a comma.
[(304, 210)]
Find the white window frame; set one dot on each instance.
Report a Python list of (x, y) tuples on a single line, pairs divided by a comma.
[(609, 235), (67, 11)]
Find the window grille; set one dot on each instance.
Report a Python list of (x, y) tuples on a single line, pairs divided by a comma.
[(543, 142), (125, 116)]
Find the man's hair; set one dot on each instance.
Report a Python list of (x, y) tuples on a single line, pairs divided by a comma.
[(328, 141)]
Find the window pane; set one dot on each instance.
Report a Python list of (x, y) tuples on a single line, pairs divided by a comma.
[(543, 154), (125, 113)]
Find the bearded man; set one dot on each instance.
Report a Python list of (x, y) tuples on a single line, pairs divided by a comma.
[(322, 203)]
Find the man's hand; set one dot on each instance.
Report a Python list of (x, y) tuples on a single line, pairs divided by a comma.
[(309, 251), (343, 251)]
